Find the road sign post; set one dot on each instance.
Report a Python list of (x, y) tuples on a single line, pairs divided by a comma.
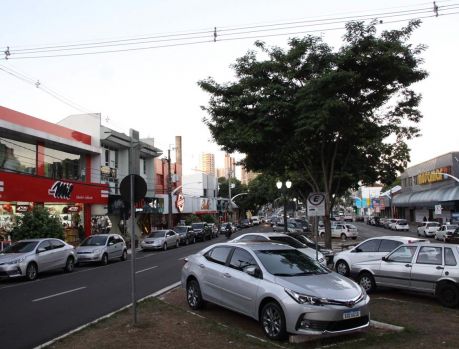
[(316, 208)]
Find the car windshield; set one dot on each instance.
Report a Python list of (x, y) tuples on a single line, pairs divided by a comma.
[(451, 227), (351, 226), (198, 225), (94, 241), (180, 229), (402, 222), (21, 247), (289, 263), (157, 234), (287, 240)]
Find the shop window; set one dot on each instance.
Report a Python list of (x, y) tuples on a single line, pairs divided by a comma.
[(17, 156), (63, 165)]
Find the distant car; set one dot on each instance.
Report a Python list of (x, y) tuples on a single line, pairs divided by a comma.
[(305, 226), (245, 223), (214, 230), (388, 221), (283, 289), (101, 248), (400, 225), (428, 228), (348, 218), (202, 231), (255, 220), (342, 231), (368, 250), (445, 232), (186, 234), (454, 238), (291, 228), (27, 258), (160, 239), (327, 253), (419, 267), (282, 239)]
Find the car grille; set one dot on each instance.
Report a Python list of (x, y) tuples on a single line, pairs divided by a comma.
[(333, 326)]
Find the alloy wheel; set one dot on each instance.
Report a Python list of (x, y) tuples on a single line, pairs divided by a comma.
[(272, 322)]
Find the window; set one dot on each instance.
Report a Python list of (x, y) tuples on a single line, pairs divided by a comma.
[(429, 255), (404, 254), (46, 245), (144, 164), (388, 245), (449, 257), (57, 244), (107, 157), (17, 156), (241, 259), (218, 254), (369, 246), (63, 165)]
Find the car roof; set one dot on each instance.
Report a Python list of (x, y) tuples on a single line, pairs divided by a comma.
[(396, 238), (258, 245), (433, 244), (263, 234)]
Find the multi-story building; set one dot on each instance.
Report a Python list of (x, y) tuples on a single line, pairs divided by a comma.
[(207, 163), (247, 176)]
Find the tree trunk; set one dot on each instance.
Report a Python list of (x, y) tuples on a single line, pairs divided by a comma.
[(327, 223)]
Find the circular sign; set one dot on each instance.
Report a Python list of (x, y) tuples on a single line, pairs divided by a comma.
[(316, 199), (140, 188), (180, 202)]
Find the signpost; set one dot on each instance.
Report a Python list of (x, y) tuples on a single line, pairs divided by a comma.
[(438, 209), (316, 208)]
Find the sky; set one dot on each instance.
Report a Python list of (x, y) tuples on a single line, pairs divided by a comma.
[(155, 90)]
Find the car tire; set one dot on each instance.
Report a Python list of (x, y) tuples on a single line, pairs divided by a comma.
[(343, 237), (272, 321), (193, 295), (165, 246), (342, 268), (367, 281), (31, 271), (124, 255), (69, 265), (104, 259), (447, 294), (177, 243)]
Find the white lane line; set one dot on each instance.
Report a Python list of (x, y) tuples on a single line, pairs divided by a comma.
[(59, 294), (141, 271)]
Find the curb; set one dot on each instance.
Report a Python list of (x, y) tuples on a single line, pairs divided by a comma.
[(155, 294), (384, 326)]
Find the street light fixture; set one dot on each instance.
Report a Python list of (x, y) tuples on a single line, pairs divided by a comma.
[(284, 188)]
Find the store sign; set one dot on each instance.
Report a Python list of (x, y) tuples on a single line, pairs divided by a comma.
[(108, 173), (22, 208), (61, 190), (433, 176), (180, 202), (73, 209), (205, 203)]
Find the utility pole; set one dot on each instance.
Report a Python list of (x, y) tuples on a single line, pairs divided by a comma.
[(230, 206), (169, 189)]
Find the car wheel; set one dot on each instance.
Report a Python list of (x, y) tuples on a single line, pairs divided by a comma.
[(177, 243), (367, 281), (165, 246), (31, 272), (273, 321), (124, 255), (69, 265), (343, 236), (193, 295), (104, 259), (448, 295), (342, 268)]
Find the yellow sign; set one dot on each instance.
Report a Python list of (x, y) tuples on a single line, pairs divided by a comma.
[(433, 176)]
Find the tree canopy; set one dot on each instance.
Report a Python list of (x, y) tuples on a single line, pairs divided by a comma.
[(36, 224), (334, 117)]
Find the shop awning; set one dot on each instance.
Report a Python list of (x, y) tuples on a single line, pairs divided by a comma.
[(427, 197)]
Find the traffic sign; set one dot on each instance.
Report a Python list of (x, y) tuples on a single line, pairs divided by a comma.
[(316, 204), (140, 188), (438, 209)]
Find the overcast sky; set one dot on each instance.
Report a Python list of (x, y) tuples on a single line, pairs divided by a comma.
[(155, 90)]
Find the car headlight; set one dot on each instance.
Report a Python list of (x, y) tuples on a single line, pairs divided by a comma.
[(301, 298), (16, 261), (97, 250)]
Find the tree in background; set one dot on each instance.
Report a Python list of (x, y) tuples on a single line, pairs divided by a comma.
[(36, 224), (334, 117)]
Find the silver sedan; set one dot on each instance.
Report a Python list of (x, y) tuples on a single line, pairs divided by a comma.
[(26, 258), (160, 239), (282, 288), (421, 267)]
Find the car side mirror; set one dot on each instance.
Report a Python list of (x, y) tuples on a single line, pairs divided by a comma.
[(385, 259), (41, 249), (253, 271), (111, 243)]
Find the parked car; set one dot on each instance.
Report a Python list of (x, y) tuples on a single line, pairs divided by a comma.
[(255, 220), (454, 238), (245, 223), (327, 253), (202, 231), (291, 227), (186, 234), (348, 218), (160, 239), (342, 231), (369, 250), (101, 248), (428, 228), (400, 225), (387, 222), (282, 239), (420, 267), (301, 223), (27, 258), (445, 232), (277, 285)]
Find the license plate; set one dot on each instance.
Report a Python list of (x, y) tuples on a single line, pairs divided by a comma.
[(351, 314)]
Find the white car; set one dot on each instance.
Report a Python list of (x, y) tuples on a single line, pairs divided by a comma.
[(282, 239), (369, 250), (255, 220), (445, 232), (342, 231), (400, 225), (428, 228)]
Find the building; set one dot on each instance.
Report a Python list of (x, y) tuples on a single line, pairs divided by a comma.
[(207, 163), (430, 190), (367, 200), (247, 176)]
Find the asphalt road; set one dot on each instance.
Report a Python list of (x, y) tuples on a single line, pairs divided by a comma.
[(36, 312)]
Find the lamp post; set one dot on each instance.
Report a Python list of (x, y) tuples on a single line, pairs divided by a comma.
[(446, 174), (284, 187)]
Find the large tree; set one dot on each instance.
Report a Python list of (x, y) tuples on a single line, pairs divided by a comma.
[(336, 117)]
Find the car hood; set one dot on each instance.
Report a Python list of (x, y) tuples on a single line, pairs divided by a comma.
[(329, 286), (88, 248), (8, 257)]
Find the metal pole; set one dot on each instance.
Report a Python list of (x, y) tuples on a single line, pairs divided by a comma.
[(316, 232), (169, 189), (131, 166), (230, 207), (284, 192)]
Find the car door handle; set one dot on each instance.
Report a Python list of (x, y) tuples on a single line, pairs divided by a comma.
[(408, 265), (439, 268), (202, 266), (227, 275)]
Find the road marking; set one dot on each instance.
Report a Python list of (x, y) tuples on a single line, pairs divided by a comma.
[(141, 271), (58, 294)]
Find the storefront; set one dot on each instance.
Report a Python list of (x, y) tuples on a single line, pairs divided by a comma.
[(430, 190), (70, 200)]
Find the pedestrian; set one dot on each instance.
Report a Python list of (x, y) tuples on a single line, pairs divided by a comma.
[(424, 219)]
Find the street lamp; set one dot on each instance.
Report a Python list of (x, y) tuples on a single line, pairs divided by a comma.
[(446, 174), (284, 188)]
